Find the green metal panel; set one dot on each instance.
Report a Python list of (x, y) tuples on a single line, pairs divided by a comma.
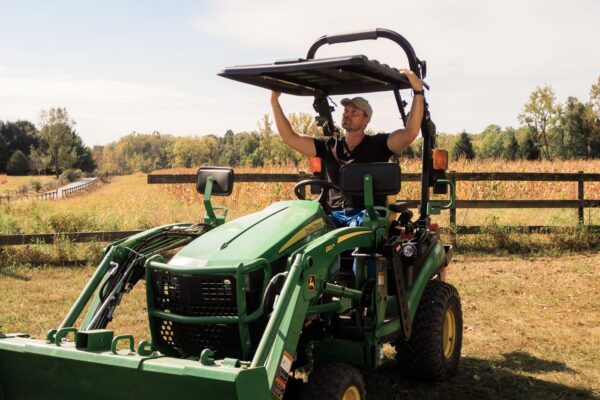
[(31, 369), (262, 234)]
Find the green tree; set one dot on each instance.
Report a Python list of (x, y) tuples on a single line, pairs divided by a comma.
[(37, 162), (464, 147), (492, 143), (577, 134), (20, 135), (85, 159), (138, 152), (511, 149), (282, 154), (3, 151), (540, 113), (530, 151), (250, 152), (186, 152), (595, 97), (266, 132), (18, 164), (209, 154), (57, 137)]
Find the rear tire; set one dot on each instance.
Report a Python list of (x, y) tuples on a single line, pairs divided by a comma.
[(334, 381), (433, 351)]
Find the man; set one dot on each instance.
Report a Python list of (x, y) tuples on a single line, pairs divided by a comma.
[(355, 146)]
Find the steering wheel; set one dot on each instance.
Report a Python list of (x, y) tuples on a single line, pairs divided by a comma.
[(319, 182)]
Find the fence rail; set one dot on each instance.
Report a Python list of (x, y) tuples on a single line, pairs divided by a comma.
[(69, 191), (75, 237), (52, 194), (580, 203), (110, 236), (579, 177)]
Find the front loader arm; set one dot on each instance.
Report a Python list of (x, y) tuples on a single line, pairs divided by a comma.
[(120, 270), (306, 282)]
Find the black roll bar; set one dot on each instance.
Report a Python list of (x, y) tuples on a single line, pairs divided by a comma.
[(416, 65)]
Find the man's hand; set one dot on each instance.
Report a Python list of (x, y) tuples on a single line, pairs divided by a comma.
[(275, 96), (415, 82)]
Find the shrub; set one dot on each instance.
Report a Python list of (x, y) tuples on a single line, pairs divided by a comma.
[(71, 174), (36, 185), (18, 164)]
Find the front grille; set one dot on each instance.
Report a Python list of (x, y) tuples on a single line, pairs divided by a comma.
[(195, 296)]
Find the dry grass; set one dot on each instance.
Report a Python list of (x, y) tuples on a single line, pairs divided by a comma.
[(8, 183), (129, 203), (532, 326)]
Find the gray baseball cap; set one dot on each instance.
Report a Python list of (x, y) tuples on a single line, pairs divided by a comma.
[(360, 103)]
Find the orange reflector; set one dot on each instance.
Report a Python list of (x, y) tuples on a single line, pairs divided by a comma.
[(440, 160), (315, 165)]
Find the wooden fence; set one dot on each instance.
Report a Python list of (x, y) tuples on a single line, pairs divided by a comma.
[(69, 191), (580, 203), (579, 178), (52, 194)]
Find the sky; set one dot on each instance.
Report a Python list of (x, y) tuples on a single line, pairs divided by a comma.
[(142, 66)]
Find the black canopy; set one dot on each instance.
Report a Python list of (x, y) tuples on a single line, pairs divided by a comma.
[(329, 76)]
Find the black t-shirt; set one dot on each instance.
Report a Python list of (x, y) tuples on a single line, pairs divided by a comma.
[(334, 153)]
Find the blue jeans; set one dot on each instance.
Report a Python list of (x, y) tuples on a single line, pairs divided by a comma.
[(350, 217)]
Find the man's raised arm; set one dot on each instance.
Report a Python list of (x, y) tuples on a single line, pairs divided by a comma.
[(399, 140), (302, 143)]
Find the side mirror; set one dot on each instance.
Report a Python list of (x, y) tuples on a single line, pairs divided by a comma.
[(222, 180)]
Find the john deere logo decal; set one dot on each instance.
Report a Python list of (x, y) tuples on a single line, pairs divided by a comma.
[(311, 283)]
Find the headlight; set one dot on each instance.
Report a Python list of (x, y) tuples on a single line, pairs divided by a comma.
[(408, 250)]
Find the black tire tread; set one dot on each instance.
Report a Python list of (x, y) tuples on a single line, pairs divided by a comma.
[(421, 357), (330, 381)]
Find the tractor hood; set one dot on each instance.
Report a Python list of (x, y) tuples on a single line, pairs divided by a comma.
[(270, 234)]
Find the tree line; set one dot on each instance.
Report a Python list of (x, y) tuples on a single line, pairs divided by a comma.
[(53, 148), (548, 129)]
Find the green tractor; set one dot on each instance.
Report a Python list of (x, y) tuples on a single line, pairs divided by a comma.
[(276, 304)]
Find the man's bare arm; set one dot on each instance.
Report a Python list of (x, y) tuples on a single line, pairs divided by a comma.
[(302, 143), (400, 139)]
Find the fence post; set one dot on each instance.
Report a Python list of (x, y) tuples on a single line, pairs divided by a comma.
[(303, 189), (580, 196), (453, 209)]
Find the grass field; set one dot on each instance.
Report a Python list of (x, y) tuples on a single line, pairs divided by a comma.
[(9, 183), (129, 203), (532, 326)]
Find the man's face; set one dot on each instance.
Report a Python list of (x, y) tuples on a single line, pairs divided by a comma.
[(354, 119)]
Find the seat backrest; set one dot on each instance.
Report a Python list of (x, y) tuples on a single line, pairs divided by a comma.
[(386, 178)]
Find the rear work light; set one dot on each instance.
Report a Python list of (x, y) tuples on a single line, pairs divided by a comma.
[(440, 160), (315, 165)]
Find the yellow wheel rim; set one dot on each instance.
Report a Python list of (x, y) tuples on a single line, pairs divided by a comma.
[(449, 333), (352, 393)]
